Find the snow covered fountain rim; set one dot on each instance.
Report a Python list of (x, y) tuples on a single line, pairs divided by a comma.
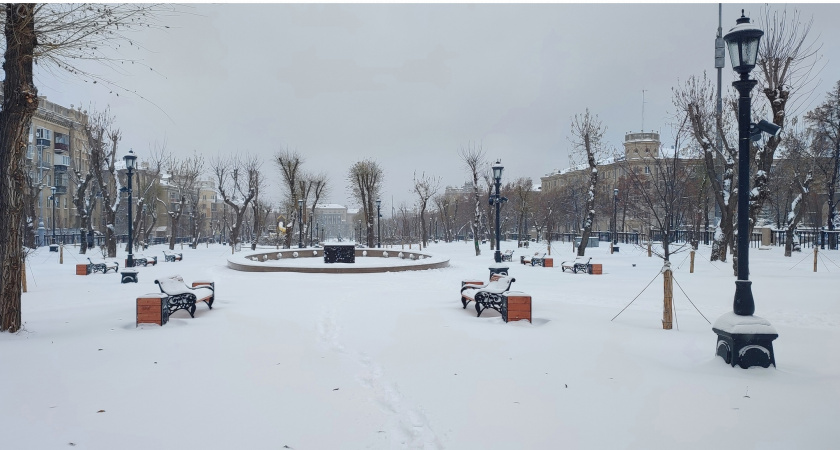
[(311, 260)]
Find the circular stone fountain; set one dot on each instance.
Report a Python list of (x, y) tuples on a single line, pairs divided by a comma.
[(311, 260)]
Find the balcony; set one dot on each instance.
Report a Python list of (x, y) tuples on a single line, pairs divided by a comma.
[(61, 160), (61, 147), (43, 142), (60, 190)]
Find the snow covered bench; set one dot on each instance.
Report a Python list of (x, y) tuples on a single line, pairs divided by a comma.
[(507, 255), (103, 266), (172, 257), (489, 295), (575, 266), (536, 260), (181, 296), (145, 260)]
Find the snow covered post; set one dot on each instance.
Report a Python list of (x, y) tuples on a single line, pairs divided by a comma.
[(667, 310), (816, 250), (691, 265)]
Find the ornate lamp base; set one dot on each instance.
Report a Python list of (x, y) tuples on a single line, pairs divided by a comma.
[(745, 341)]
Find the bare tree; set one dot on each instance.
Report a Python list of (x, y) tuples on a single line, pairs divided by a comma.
[(319, 188), (473, 157), (289, 163), (696, 98), (237, 179), (103, 139), (20, 101), (663, 193), (824, 123), (587, 132), (57, 36), (425, 187), (792, 177), (447, 208), (788, 63), (365, 179), (184, 175)]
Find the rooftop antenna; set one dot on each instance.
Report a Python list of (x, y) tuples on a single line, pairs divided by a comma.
[(643, 109)]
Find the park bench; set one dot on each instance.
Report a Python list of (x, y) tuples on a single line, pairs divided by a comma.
[(507, 255), (102, 266), (575, 266), (145, 260), (172, 257), (488, 295), (536, 260), (181, 296)]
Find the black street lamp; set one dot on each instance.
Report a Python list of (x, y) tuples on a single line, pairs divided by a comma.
[(130, 159), (378, 227), (615, 219), (744, 339), (300, 218), (497, 200), (52, 198)]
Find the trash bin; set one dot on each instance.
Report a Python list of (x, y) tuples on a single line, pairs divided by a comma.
[(499, 269)]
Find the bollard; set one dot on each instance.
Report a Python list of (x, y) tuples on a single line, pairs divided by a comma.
[(691, 266), (667, 320), (816, 249)]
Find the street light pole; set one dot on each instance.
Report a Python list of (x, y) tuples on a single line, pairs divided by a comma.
[(52, 198), (744, 339), (497, 200), (300, 219), (615, 220), (130, 159), (378, 227)]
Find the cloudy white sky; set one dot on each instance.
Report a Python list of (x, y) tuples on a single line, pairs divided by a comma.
[(409, 85)]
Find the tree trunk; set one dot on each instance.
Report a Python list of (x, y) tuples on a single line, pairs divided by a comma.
[(20, 101), (590, 208)]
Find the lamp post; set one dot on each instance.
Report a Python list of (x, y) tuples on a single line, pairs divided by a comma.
[(130, 159), (52, 199), (744, 339), (378, 228), (300, 218), (615, 221), (497, 200)]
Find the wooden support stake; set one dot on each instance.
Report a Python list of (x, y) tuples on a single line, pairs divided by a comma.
[(691, 266), (23, 276), (61, 254), (667, 320), (816, 249), (650, 252)]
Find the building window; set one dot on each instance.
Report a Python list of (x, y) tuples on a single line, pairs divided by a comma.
[(647, 170)]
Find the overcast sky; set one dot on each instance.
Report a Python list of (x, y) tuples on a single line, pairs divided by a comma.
[(409, 85)]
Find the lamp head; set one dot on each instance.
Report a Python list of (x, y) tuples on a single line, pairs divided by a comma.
[(615, 192), (497, 170), (130, 158), (742, 41), (378, 203)]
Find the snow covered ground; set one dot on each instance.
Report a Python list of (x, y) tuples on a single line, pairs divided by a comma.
[(391, 360)]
